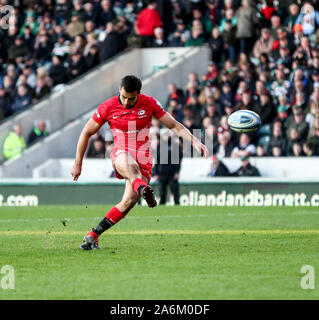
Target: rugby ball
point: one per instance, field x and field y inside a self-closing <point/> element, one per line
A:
<point x="244" y="121"/>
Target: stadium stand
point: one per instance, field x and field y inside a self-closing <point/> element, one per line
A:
<point x="264" y="57"/>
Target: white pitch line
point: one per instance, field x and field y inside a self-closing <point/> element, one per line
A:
<point x="159" y="232"/>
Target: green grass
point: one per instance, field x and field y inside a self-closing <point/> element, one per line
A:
<point x="163" y="253"/>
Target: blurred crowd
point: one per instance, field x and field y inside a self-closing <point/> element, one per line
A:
<point x="264" y="57"/>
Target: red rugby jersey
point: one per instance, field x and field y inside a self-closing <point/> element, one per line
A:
<point x="130" y="127"/>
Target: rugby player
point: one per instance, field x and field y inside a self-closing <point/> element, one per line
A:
<point x="129" y="115"/>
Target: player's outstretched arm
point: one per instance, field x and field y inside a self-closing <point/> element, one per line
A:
<point x="90" y="128"/>
<point x="168" y="121"/>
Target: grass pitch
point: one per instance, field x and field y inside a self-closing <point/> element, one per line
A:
<point x="163" y="253"/>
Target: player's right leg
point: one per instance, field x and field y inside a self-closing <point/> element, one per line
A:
<point x="129" y="169"/>
<point x="113" y="216"/>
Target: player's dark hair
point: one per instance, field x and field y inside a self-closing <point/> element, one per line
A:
<point x="131" y="83"/>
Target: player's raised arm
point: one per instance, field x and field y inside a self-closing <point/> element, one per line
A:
<point x="90" y="128"/>
<point x="168" y="121"/>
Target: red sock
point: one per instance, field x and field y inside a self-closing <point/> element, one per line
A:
<point x="114" y="215"/>
<point x="137" y="183"/>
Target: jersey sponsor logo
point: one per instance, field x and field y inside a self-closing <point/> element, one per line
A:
<point x="123" y="114"/>
<point x="141" y="112"/>
<point x="97" y="114"/>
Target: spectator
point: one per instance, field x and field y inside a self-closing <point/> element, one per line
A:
<point x="309" y="149"/>
<point x="313" y="112"/>
<point x="229" y="40"/>
<point x="299" y="123"/>
<point x="245" y="147"/>
<point x="246" y="102"/>
<point x="210" y="136"/>
<point x="180" y="36"/>
<point x="308" y="19"/>
<point x="18" y="49"/>
<point x="229" y="17"/>
<point x="91" y="39"/>
<point x="159" y="41"/>
<point x="76" y="26"/>
<point x="261" y="152"/>
<point x="211" y="112"/>
<point x="277" y="138"/>
<point x="167" y="167"/>
<point x="196" y="38"/>
<point x="175" y="109"/>
<point x="246" y="169"/>
<point x="276" y="151"/>
<point x="294" y="137"/>
<point x="226" y="98"/>
<point x="78" y="44"/>
<point x="280" y="85"/>
<point x="246" y="23"/>
<point x="91" y="14"/>
<point x="30" y="22"/>
<point x="43" y="49"/>
<point x="297" y="150"/>
<point x="225" y="144"/>
<point x="304" y="48"/>
<point x="21" y="100"/>
<point x="265" y="108"/>
<point x="76" y="66"/>
<point x="264" y="44"/>
<point x="267" y="10"/>
<point x="96" y="147"/>
<point x="14" y="143"/>
<point x="30" y="75"/>
<point x="314" y="140"/>
<point x="275" y="26"/>
<point x="92" y="59"/>
<point x="282" y="114"/>
<point x="62" y="46"/>
<point x="89" y="28"/>
<point x="9" y="85"/>
<point x="175" y="93"/>
<point x="61" y="11"/>
<point x="148" y="19"/>
<point x="78" y="6"/>
<point x="39" y="131"/>
<point x="57" y="71"/>
<point x="42" y="88"/>
<point x="107" y="14"/>
<point x="192" y="91"/>
<point x="12" y="73"/>
<point x="205" y="23"/>
<point x="28" y="38"/>
<point x="216" y="45"/>
<point x="218" y="168"/>
<point x="110" y="45"/>
<point x="22" y="80"/>
<point x="292" y="17"/>
<point x="5" y="103"/>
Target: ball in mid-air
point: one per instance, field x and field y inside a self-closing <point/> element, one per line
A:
<point x="244" y="121"/>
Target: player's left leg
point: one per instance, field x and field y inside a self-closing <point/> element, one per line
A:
<point x="113" y="216"/>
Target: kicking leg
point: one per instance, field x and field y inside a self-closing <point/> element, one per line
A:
<point x="128" y="168"/>
<point x="113" y="216"/>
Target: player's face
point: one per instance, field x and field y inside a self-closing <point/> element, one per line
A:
<point x="128" y="99"/>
